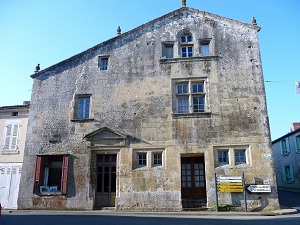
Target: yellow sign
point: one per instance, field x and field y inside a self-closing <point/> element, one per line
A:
<point x="230" y="187"/>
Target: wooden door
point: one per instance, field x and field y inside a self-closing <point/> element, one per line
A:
<point x="106" y="181"/>
<point x="193" y="178"/>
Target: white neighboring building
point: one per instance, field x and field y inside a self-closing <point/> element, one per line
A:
<point x="286" y="151"/>
<point x="13" y="126"/>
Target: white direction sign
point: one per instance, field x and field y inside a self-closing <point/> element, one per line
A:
<point x="259" y="188"/>
<point x="229" y="179"/>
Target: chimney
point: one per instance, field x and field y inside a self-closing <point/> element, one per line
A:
<point x="295" y="126"/>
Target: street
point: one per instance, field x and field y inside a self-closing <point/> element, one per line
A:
<point x="287" y="199"/>
<point x="138" y="219"/>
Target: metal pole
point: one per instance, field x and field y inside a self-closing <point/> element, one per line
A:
<point x="216" y="185"/>
<point x="244" y="188"/>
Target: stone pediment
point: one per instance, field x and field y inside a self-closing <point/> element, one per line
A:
<point x="105" y="137"/>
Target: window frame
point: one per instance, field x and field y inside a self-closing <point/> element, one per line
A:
<point x="284" y="150"/>
<point x="101" y="60"/>
<point x="186" y="45"/>
<point x="142" y="157"/>
<point x="226" y="162"/>
<point x="168" y="45"/>
<point x="189" y="94"/>
<point x="149" y="156"/>
<point x="239" y="156"/>
<point x="77" y="107"/>
<point x="155" y="164"/>
<point x="232" y="149"/>
<point x="39" y="178"/>
<point x="204" y="51"/>
<point x="288" y="177"/>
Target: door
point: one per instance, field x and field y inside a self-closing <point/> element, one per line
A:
<point x="193" y="178"/>
<point x="106" y="181"/>
<point x="10" y="175"/>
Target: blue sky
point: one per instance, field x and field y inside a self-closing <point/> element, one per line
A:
<point x="48" y="32"/>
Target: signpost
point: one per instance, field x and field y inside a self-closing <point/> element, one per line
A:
<point x="231" y="185"/>
<point x="259" y="188"/>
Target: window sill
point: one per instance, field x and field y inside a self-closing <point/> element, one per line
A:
<point x="10" y="152"/>
<point x="82" y="120"/>
<point x="188" y="59"/>
<point x="191" y="115"/>
<point x="50" y="194"/>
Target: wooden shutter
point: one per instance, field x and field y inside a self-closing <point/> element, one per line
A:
<point x="37" y="174"/>
<point x="288" y="145"/>
<point x="64" y="174"/>
<point x="14" y="137"/>
<point x="7" y="136"/>
<point x="292" y="173"/>
<point x="283" y="174"/>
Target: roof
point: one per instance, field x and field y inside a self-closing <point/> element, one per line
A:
<point x="285" y="136"/>
<point x="126" y="34"/>
<point x="26" y="106"/>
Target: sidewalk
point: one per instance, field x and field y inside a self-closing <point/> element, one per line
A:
<point x="285" y="211"/>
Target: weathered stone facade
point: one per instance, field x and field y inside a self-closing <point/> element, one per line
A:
<point x="177" y="91"/>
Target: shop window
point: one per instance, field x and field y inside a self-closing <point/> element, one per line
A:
<point x="51" y="173"/>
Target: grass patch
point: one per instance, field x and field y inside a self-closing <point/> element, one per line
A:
<point x="224" y="207"/>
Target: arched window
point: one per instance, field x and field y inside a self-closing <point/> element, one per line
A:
<point x="186" y="45"/>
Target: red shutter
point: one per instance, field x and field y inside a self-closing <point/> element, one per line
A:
<point x="64" y="174"/>
<point x="37" y="174"/>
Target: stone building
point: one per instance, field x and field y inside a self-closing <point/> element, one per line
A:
<point x="13" y="126"/>
<point x="286" y="151"/>
<point x="142" y="121"/>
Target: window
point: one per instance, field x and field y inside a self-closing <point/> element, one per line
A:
<point x="190" y="97"/>
<point x="148" y="159"/>
<point x="204" y="49"/>
<point x="204" y="46"/>
<point x="14" y="113"/>
<point x="51" y="173"/>
<point x="167" y="50"/>
<point x="232" y="156"/>
<point x="83" y="107"/>
<point x="157" y="159"/>
<point x="186" y="45"/>
<point x="284" y="147"/>
<point x="223" y="157"/>
<point x="186" y="51"/>
<point x="288" y="173"/>
<point x="297" y="143"/>
<point x="103" y="62"/>
<point x="142" y="159"/>
<point x="240" y="156"/>
<point x="11" y="132"/>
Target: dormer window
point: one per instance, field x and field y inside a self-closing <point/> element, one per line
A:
<point x="186" y="38"/>
<point x="186" y="45"/>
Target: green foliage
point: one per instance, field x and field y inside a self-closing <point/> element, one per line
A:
<point x="224" y="207"/>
